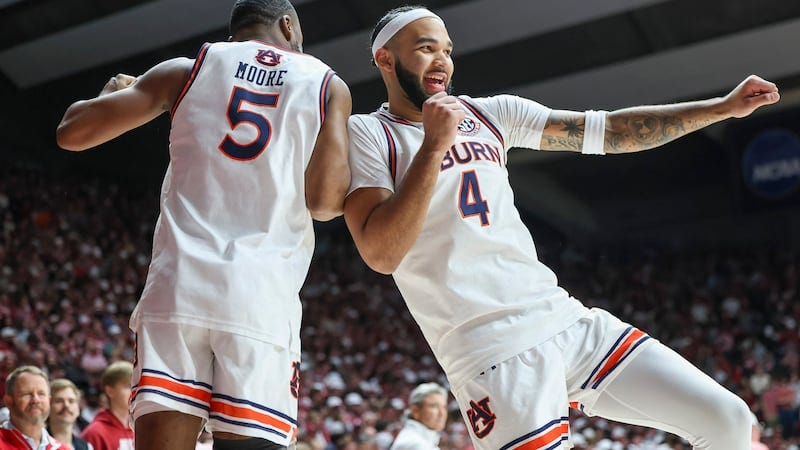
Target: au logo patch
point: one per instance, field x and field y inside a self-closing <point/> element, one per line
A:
<point x="268" y="57"/>
<point x="468" y="127"/>
<point x="294" y="383"/>
<point x="481" y="417"/>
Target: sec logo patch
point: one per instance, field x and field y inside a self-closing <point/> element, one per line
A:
<point x="468" y="127"/>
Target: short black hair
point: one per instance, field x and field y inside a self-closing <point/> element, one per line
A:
<point x="246" y="13"/>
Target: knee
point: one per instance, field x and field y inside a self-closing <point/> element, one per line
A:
<point x="733" y="415"/>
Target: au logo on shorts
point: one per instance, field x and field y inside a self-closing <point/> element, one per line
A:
<point x="294" y="383"/>
<point x="481" y="417"/>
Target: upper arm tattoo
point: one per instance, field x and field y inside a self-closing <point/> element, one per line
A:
<point x="570" y="136"/>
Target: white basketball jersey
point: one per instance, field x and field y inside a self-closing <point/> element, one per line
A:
<point x="234" y="240"/>
<point x="472" y="279"/>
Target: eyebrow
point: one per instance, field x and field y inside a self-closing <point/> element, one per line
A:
<point x="430" y="40"/>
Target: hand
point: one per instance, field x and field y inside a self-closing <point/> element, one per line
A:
<point x="751" y="94"/>
<point x="121" y="81"/>
<point x="441" y="114"/>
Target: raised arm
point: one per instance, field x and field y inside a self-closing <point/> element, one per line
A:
<point x="328" y="172"/>
<point x="384" y="225"/>
<point x="643" y="127"/>
<point x="125" y="103"/>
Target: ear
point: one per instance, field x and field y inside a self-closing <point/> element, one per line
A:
<point x="413" y="411"/>
<point x="287" y="27"/>
<point x="384" y="60"/>
<point x="7" y="399"/>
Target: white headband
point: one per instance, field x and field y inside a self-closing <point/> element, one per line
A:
<point x="397" y="24"/>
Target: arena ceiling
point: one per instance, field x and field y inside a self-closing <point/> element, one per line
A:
<point x="573" y="54"/>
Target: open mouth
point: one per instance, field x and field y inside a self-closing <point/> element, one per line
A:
<point x="435" y="82"/>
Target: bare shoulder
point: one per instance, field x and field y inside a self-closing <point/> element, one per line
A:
<point x="175" y="70"/>
<point x="339" y="88"/>
<point x="165" y="81"/>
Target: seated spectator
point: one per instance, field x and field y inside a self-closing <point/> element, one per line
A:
<point x="64" y="411"/>
<point x="28" y="399"/>
<point x="110" y="429"/>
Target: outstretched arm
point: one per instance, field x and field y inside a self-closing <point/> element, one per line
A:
<point x="643" y="127"/>
<point x="328" y="172"/>
<point x="125" y="103"/>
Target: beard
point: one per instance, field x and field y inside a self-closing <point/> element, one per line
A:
<point x="412" y="87"/>
<point x="31" y="415"/>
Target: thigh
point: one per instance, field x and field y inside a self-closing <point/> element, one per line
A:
<point x="519" y="403"/>
<point x="255" y="388"/>
<point x="172" y="370"/>
<point x="596" y="350"/>
<point x="660" y="389"/>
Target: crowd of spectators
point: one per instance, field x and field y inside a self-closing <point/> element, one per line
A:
<point x="74" y="254"/>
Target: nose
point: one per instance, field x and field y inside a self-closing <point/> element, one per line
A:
<point x="441" y="58"/>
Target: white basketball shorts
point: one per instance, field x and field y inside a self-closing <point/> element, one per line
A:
<point x="523" y="402"/>
<point x="237" y="384"/>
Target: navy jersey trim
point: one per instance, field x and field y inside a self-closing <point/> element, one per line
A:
<point x="201" y="56"/>
<point x="395" y="119"/>
<point x="323" y="95"/>
<point x="392" y="151"/>
<point x="485" y="120"/>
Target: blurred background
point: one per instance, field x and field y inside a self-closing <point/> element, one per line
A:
<point x="695" y="242"/>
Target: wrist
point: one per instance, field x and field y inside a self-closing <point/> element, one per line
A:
<point x="722" y="108"/>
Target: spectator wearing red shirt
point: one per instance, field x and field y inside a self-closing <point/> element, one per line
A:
<point x="110" y="429"/>
<point x="28" y="399"/>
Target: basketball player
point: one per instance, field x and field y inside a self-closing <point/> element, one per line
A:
<point x="258" y="146"/>
<point x="430" y="202"/>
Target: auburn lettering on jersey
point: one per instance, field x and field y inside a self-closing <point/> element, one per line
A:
<point x="468" y="151"/>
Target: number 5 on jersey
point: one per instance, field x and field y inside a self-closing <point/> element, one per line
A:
<point x="470" y="202"/>
<point x="238" y="116"/>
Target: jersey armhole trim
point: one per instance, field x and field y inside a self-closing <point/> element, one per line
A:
<point x="201" y="56"/>
<point x="392" y="151"/>
<point x="323" y="95"/>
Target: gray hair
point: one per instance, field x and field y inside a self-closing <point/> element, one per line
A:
<point x="11" y="379"/>
<point x="422" y="391"/>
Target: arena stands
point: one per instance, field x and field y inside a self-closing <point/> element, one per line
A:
<point x="74" y="253"/>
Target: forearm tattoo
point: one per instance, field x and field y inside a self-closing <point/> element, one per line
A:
<point x="645" y="130"/>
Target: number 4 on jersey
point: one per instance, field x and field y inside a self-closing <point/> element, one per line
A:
<point x="470" y="202"/>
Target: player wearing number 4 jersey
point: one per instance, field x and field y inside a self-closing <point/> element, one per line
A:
<point x="430" y="202"/>
<point x="258" y="146"/>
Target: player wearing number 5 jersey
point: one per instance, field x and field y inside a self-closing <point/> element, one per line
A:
<point x="430" y="202"/>
<point x="258" y="146"/>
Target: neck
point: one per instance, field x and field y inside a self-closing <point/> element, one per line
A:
<point x="400" y="105"/>
<point x="33" y="431"/>
<point x="260" y="33"/>
<point x="405" y="110"/>
<point x="121" y="413"/>
<point x="62" y="431"/>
